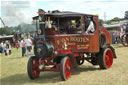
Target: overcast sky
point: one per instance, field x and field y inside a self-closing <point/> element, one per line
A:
<point x="14" y="12"/>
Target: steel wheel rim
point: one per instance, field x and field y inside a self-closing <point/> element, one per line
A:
<point x="35" y="68"/>
<point x="125" y="40"/>
<point x="108" y="58"/>
<point x="67" y="68"/>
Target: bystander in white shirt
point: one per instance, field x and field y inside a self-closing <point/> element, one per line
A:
<point x="21" y="43"/>
<point x="28" y="42"/>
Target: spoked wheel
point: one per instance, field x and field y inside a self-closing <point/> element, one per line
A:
<point x="105" y="58"/>
<point x="124" y="40"/>
<point x="65" y="68"/>
<point x="33" y="68"/>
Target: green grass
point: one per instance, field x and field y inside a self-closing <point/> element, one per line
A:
<point x="13" y="67"/>
<point x="13" y="71"/>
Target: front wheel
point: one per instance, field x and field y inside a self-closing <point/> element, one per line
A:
<point x="65" y="68"/>
<point x="105" y="58"/>
<point x="33" y="68"/>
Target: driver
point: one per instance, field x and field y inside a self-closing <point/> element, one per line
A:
<point x="41" y="13"/>
<point x="89" y="26"/>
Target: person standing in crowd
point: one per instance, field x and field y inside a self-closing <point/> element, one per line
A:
<point x="23" y="45"/>
<point x="20" y="43"/>
<point x="17" y="44"/>
<point x="6" y="42"/>
<point x="2" y="47"/>
<point x="6" y="46"/>
<point x="7" y="49"/>
<point x="116" y="37"/>
<point x="113" y="38"/>
<point x="28" y="44"/>
<point x="13" y="41"/>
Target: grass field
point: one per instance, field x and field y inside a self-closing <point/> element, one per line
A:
<point x="13" y="71"/>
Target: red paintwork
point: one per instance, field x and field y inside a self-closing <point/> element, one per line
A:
<point x="48" y="62"/>
<point x="64" y="51"/>
<point x="76" y="43"/>
<point x="76" y="54"/>
<point x="96" y="36"/>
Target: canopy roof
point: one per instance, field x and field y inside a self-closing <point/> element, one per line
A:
<point x="66" y="14"/>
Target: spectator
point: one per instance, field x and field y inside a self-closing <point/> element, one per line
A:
<point x="20" y="44"/>
<point x="9" y="47"/>
<point x="117" y="37"/>
<point x="2" y="47"/>
<point x="13" y="42"/>
<point x="7" y="50"/>
<point x="17" y="44"/>
<point x="28" y="44"/>
<point x="23" y="45"/>
<point x="113" y="38"/>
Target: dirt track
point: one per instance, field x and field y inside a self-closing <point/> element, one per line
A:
<point x="13" y="72"/>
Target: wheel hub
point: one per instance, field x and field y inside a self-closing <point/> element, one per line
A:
<point x="68" y="67"/>
<point x="108" y="58"/>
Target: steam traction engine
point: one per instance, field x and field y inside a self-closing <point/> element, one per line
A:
<point x="61" y="43"/>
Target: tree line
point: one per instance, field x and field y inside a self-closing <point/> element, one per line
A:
<point x="115" y="19"/>
<point x="21" y="28"/>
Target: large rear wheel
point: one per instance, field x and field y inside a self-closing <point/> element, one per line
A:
<point x="124" y="40"/>
<point x="33" y="68"/>
<point x="105" y="58"/>
<point x="65" y="68"/>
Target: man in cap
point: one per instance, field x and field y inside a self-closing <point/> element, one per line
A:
<point x="42" y="19"/>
